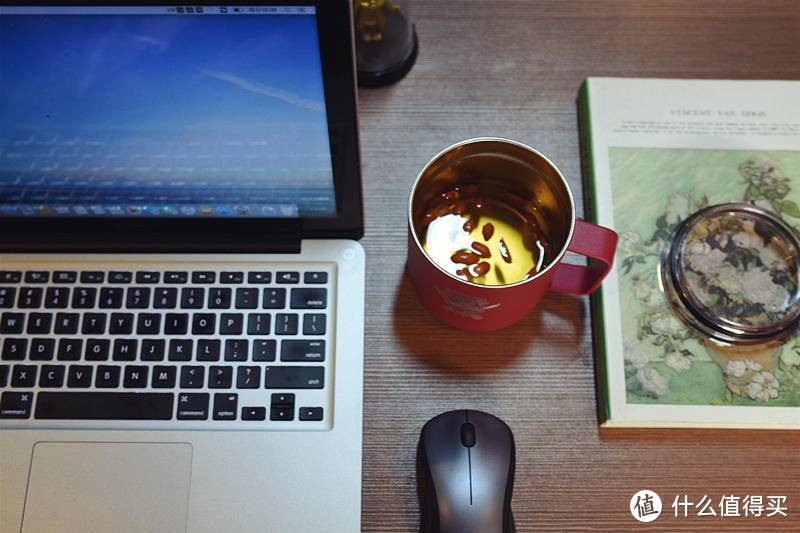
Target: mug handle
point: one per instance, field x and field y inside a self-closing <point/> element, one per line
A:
<point x="598" y="244"/>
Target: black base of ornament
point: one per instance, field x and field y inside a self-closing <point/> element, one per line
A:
<point x="392" y="74"/>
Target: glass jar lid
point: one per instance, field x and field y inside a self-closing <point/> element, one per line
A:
<point x="732" y="273"/>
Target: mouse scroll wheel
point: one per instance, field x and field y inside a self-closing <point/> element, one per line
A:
<point x="468" y="435"/>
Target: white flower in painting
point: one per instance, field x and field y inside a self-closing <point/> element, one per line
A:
<point x="677" y="362"/>
<point x="766" y="205"/>
<point x="722" y="239"/>
<point x="704" y="259"/>
<point x="748" y="239"/>
<point x="646" y="290"/>
<point x="677" y="208"/>
<point x="637" y="358"/>
<point x="728" y="279"/>
<point x="752" y="365"/>
<point x="762" y="387"/>
<point x="758" y="287"/>
<point x="627" y="243"/>
<point x="651" y="380"/>
<point x="736" y="368"/>
<point x="770" y="165"/>
<point x="666" y="324"/>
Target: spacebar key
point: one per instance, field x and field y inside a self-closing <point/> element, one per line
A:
<point x="104" y="406"/>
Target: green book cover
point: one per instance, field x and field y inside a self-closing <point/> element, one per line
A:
<point x="654" y="152"/>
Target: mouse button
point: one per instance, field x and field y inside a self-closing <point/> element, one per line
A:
<point x="467" y="435"/>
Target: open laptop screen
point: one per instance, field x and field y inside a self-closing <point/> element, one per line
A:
<point x="212" y="111"/>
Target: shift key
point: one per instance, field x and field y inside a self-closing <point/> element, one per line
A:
<point x="295" y="377"/>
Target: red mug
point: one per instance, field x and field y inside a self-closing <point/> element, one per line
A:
<point x="529" y="175"/>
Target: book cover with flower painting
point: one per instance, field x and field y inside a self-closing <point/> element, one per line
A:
<point x="656" y="151"/>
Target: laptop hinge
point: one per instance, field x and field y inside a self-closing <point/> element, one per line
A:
<point x="236" y="243"/>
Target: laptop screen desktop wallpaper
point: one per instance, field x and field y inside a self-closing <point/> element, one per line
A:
<point x="162" y="113"/>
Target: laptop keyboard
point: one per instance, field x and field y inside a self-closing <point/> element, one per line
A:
<point x="210" y="346"/>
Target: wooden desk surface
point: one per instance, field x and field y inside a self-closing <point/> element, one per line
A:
<point x="512" y="69"/>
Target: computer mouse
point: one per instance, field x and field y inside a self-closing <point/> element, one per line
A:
<point x="465" y="474"/>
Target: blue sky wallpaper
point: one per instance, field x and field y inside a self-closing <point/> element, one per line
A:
<point x="233" y="98"/>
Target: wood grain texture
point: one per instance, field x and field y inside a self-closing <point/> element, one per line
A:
<point x="513" y="69"/>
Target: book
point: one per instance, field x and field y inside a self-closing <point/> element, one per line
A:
<point x="654" y="151"/>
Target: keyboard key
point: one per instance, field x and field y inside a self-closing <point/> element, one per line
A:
<point x="69" y="349"/>
<point x="7" y="297"/>
<point x="180" y="350"/>
<point x="264" y="350"/>
<point x="192" y="297"/>
<point x="56" y="298"/>
<point x="30" y="297"/>
<point x="193" y="406"/>
<point x="66" y="323"/>
<point x="135" y="377"/>
<point x="104" y="406"/>
<point x="315" y="277"/>
<point x="231" y="277"/>
<point x="37" y="276"/>
<point x="93" y="323"/>
<point x="208" y="350"/>
<point x="219" y="298"/>
<point x="294" y="377"/>
<point x="23" y="376"/>
<point x="274" y="299"/>
<point x="246" y="298"/>
<point x="64" y="276"/>
<point x="42" y="349"/>
<point x="203" y="323"/>
<point x="204" y="277"/>
<point x="231" y="324"/>
<point x="107" y="377"/>
<point x="192" y="377"/>
<point x="164" y="377"/>
<point x="84" y="297"/>
<point x="152" y="350"/>
<point x="111" y="297"/>
<point x="97" y="349"/>
<point x="79" y="377"/>
<point x="5" y="370"/>
<point x="258" y="324"/>
<point x="287" y="277"/>
<point x="10" y="276"/>
<point x="148" y="277"/>
<point x="92" y="277"/>
<point x="12" y="322"/>
<point x="310" y="413"/>
<point x="303" y="351"/>
<point x="125" y="349"/>
<point x="286" y="324"/>
<point x="258" y="278"/>
<point x="148" y="324"/>
<point x="309" y="298"/>
<point x="225" y="406"/>
<point x="14" y="349"/>
<point x="52" y="376"/>
<point x="248" y="377"/>
<point x="121" y="324"/>
<point x="120" y="277"/>
<point x="176" y="323"/>
<point x="236" y="350"/>
<point x="165" y="298"/>
<point x="16" y="404"/>
<point x="284" y="414"/>
<point x="138" y="298"/>
<point x="176" y="277"/>
<point x="39" y="323"/>
<point x="220" y="377"/>
<point x="254" y="413"/>
<point x="314" y="324"/>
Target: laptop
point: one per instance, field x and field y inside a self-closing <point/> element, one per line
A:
<point x="181" y="290"/>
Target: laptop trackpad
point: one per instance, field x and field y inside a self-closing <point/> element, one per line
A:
<point x="101" y="487"/>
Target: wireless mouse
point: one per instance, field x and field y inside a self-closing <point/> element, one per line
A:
<point x="465" y="474"/>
